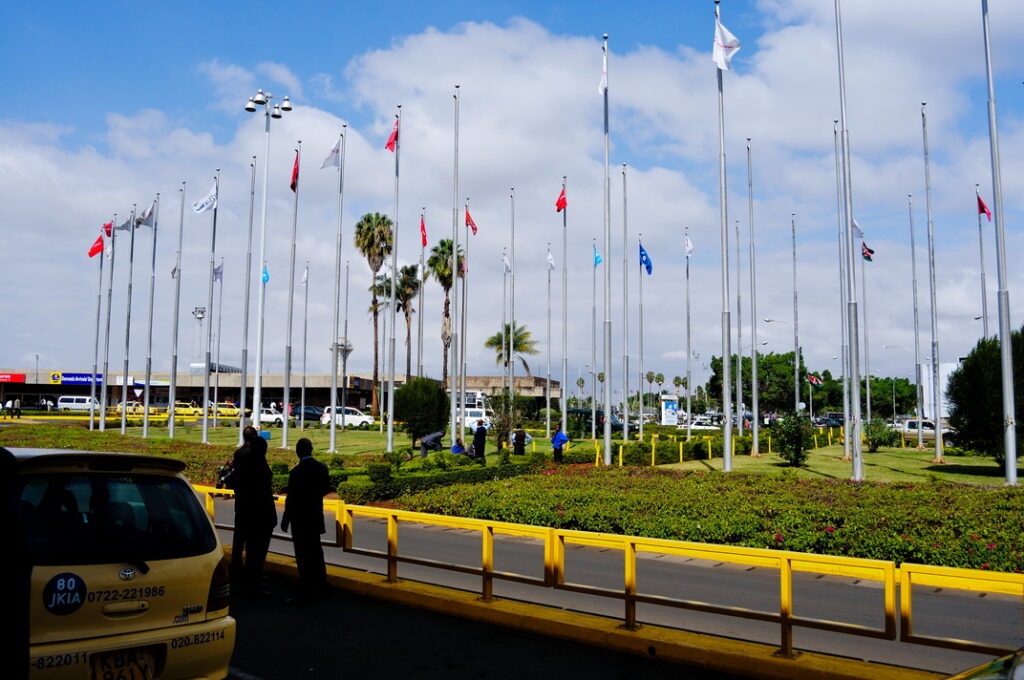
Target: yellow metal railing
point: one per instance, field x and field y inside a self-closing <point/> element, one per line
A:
<point x="896" y="582"/>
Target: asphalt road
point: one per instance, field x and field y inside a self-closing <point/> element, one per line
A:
<point x="991" y="618"/>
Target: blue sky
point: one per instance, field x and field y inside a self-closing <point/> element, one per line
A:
<point x="115" y="102"/>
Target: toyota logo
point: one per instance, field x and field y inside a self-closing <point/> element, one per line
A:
<point x="127" y="574"/>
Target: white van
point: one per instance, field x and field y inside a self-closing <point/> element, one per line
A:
<point x="70" y="403"/>
<point x="473" y="415"/>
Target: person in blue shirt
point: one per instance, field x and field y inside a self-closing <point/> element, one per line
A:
<point x="558" y="440"/>
<point x="459" y="447"/>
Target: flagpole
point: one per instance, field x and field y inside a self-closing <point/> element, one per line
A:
<point x="463" y="318"/>
<point x="867" y="353"/>
<point x="796" y="327"/>
<point x="305" y="345"/>
<point x="723" y="211"/>
<point x="625" y="311"/>
<point x="504" y="317"/>
<point x="453" y="316"/>
<point x="689" y="353"/>
<point x="391" y="313"/>
<point x="244" y="382"/>
<point x="607" y="281"/>
<point x="852" y="315"/>
<point x="936" y="384"/>
<point x="593" y="346"/>
<point x="149" y="331"/>
<point x="755" y="450"/>
<point x="220" y="317"/>
<point x="843" y="294"/>
<point x="209" y="306"/>
<point x="547" y="346"/>
<point x="128" y="325"/>
<point x="172" y="390"/>
<point x="344" y="357"/>
<point x="419" y="331"/>
<point x="332" y="446"/>
<point x="739" y="335"/>
<point x="291" y="305"/>
<point x="1002" y="294"/>
<point x="917" y="331"/>
<point x="106" y="333"/>
<point x="96" y="342"/>
<point x="565" y="315"/>
<point x="512" y="312"/>
<point x="640" y="309"/>
<point x="981" y="258"/>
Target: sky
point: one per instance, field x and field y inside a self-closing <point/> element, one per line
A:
<point x="110" y="105"/>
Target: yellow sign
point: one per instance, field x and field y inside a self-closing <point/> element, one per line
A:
<point x="56" y="377"/>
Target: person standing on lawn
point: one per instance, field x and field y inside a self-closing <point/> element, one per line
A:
<point x="558" y="440"/>
<point x="480" y="442"/>
<point x="519" y="441"/>
<point x="308" y="483"/>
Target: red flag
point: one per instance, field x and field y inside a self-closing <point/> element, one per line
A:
<point x="107" y="229"/>
<point x="393" y="138"/>
<point x="423" y="232"/>
<point x="561" y="203"/>
<point x="97" y="246"/>
<point x="469" y="221"/>
<point x="295" y="173"/>
<point x="814" y="380"/>
<point x="982" y="208"/>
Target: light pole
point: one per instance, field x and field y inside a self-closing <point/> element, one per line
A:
<point x="263" y="99"/>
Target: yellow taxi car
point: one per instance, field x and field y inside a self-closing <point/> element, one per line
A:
<point x="183" y="408"/>
<point x="226" y="409"/>
<point x="129" y="580"/>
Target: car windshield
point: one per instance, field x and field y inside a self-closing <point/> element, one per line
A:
<point x="98" y="518"/>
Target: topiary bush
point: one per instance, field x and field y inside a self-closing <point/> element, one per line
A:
<point x="378" y="472"/>
<point x="423" y="406"/>
<point x="794" y="438"/>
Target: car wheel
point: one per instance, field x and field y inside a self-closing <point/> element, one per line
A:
<point x="364" y="425"/>
<point x="279" y="422"/>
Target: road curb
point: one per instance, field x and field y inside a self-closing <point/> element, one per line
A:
<point x="735" y="657"/>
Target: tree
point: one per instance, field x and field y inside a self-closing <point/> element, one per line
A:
<point x="580" y="382"/>
<point x="649" y="376"/>
<point x="600" y="377"/>
<point x="660" y="379"/>
<point x="423" y="406"/>
<point x="439" y="265"/>
<point x="975" y="397"/>
<point x="795" y="437"/>
<point x="406" y="290"/>
<point x="374" y="234"/>
<point x="522" y="343"/>
<point x="678" y="382"/>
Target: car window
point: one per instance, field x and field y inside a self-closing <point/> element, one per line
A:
<point x="100" y="518"/>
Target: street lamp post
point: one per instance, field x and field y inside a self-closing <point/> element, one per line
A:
<point x="263" y="99"/>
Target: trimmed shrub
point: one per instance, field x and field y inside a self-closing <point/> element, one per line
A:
<point x="361" y="491"/>
<point x="794" y="437"/>
<point x="378" y="473"/>
<point x="877" y="434"/>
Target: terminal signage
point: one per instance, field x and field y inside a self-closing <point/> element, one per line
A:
<point x="65" y="378"/>
<point x="12" y="377"/>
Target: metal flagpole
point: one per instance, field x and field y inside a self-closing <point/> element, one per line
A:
<point x="512" y="312"/>
<point x="419" y="330"/>
<point x="565" y="316"/>
<point x="593" y="346"/>
<point x="640" y="327"/>
<point x="96" y="342"/>
<point x="1002" y="294"/>
<point x="173" y="390"/>
<point x="917" y="331"/>
<point x="291" y="302"/>
<point x="547" y="343"/>
<point x="607" y="278"/>
<point x="504" y="318"/>
<point x="219" y="276"/>
<point x="305" y="345"/>
<point x="796" y="327"/>
<point x="128" y="324"/>
<point x="726" y="320"/>
<point x="106" y="333"/>
<point x="867" y="354"/>
<point x="391" y="312"/>
<point x="463" y="319"/>
<point x="936" y="384"/>
<point x="149" y="331"/>
<point x="244" y="382"/>
<point x="261" y="303"/>
<point x="333" y="426"/>
<point x="852" y="320"/>
<point x="689" y="352"/>
<point x="843" y="295"/>
<point x="625" y="311"/>
<point x="981" y="258"/>
<point x="209" y="326"/>
<point x="739" y="335"/>
<point x="755" y="424"/>
<point x="453" y="348"/>
<point x="344" y="356"/>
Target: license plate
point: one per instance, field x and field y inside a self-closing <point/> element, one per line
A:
<point x="123" y="664"/>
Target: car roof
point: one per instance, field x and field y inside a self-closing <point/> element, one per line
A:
<point x="101" y="461"/>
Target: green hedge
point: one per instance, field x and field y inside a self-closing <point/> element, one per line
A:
<point x="279" y="482"/>
<point x="361" y="490"/>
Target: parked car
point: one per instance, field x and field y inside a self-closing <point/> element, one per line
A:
<point x="352" y="417"/>
<point x="127" y="570"/>
<point x="309" y="414"/>
<point x="909" y="430"/>
<point x="71" y="403"/>
<point x="182" y="408"/>
<point x="272" y="417"/>
<point x="226" y="409"/>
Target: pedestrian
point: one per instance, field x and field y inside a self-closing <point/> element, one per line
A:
<point x="255" y="514"/>
<point x="308" y="483"/>
<point x="519" y="441"/>
<point x="9" y="408"/>
<point x="430" y="442"/>
<point x="558" y="440"/>
<point x="17" y="407"/>
<point x="459" y="447"/>
<point x="480" y="442"/>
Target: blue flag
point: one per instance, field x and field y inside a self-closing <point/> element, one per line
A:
<point x="266" y="275"/>
<point x="597" y="257"/>
<point x="645" y="260"/>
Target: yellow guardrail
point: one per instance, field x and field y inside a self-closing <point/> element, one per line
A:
<point x="897" y="582"/>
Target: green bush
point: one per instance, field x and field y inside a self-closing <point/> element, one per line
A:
<point x="279" y="468"/>
<point x="379" y="473"/>
<point x="398" y="457"/>
<point x="334" y="461"/>
<point x="423" y="406"/>
<point x="878" y="434"/>
<point x="360" y="491"/>
<point x="794" y="437"/>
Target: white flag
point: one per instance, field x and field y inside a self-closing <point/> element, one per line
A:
<point x="218" y="272"/>
<point x="689" y="245"/>
<point x="551" y="261"/>
<point x="125" y="226"/>
<point x="856" y="230"/>
<point x="208" y="203"/>
<point x="333" y="159"/>
<point x="602" y="87"/>
<point x="504" y="260"/>
<point x="147" y="217"/>
<point x="726" y="45"/>
<point x="174" y="272"/>
<point x="305" y="275"/>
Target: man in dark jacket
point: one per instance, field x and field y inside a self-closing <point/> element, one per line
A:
<point x="308" y="483"/>
<point x="430" y="442"/>
<point x="255" y="514"/>
<point x="480" y="442"/>
<point x="519" y="441"/>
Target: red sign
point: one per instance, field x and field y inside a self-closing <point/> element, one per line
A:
<point x="12" y="377"/>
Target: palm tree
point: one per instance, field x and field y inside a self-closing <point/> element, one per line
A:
<point x="678" y="382"/>
<point x="522" y="343"/>
<point x="580" y="382"/>
<point x="374" y="234"/>
<point x="660" y="379"/>
<point x="439" y="265"/>
<point x="406" y="290"/>
<point x="649" y="376"/>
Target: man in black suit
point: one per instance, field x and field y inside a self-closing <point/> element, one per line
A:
<point x="255" y="513"/>
<point x="480" y="442"/>
<point x="308" y="483"/>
